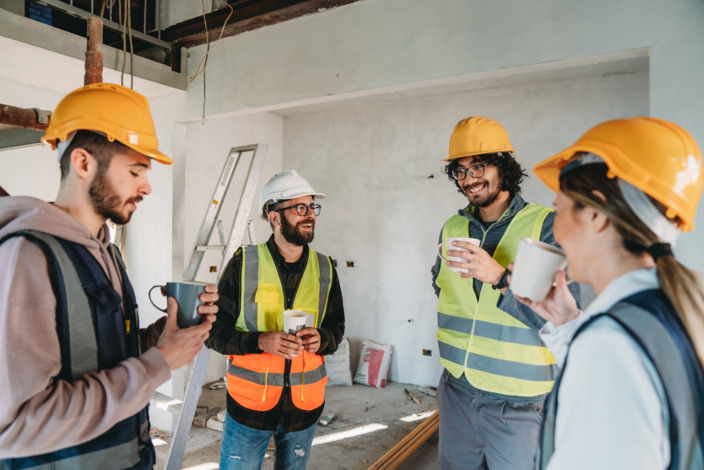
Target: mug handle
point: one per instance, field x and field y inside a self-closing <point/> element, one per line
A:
<point x="152" y="301"/>
<point x="440" y="250"/>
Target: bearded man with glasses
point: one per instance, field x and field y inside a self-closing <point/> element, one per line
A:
<point x="497" y="370"/>
<point x="276" y="379"/>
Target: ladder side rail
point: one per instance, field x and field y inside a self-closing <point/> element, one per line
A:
<point x="242" y="215"/>
<point x="211" y="214"/>
<point x="188" y="411"/>
<point x="195" y="383"/>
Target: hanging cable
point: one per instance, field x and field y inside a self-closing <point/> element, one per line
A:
<point x="201" y="66"/>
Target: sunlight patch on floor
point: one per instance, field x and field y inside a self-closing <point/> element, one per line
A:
<point x="416" y="417"/>
<point x="337" y="436"/>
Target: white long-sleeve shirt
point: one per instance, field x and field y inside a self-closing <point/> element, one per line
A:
<point x="612" y="412"/>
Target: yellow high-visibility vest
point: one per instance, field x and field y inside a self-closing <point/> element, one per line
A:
<point x="496" y="352"/>
<point x="256" y="381"/>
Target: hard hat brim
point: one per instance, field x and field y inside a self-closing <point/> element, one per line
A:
<point x="483" y="152"/>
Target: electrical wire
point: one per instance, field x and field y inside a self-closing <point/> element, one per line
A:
<point x="208" y="48"/>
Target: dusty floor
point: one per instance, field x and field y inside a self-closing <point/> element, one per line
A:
<point x="368" y="422"/>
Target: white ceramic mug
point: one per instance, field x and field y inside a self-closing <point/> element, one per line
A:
<point x="449" y="246"/>
<point x="534" y="268"/>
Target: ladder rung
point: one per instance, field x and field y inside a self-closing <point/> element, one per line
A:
<point x="166" y="403"/>
<point x="210" y="247"/>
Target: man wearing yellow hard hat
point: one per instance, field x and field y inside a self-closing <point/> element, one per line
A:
<point x="497" y="371"/>
<point x="631" y="388"/>
<point x="77" y="371"/>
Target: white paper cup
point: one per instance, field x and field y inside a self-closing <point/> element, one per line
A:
<point x="448" y="246"/>
<point x="294" y="321"/>
<point x="534" y="268"/>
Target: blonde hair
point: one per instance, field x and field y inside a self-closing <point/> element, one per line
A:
<point x="681" y="285"/>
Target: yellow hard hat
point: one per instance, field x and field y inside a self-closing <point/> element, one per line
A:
<point x="477" y="135"/>
<point x="118" y="112"/>
<point x="658" y="157"/>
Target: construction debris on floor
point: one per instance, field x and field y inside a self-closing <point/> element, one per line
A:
<point x="370" y="426"/>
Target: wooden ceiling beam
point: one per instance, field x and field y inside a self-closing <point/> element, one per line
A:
<point x="248" y="15"/>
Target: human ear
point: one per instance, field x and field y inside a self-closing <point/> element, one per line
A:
<point x="274" y="218"/>
<point x="597" y="219"/>
<point x="82" y="162"/>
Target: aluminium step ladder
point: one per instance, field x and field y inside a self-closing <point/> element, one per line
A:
<point x="226" y="248"/>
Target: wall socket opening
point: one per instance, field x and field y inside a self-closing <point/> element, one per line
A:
<point x="427" y="352"/>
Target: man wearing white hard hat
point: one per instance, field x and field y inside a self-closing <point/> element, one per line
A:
<point x="276" y="380"/>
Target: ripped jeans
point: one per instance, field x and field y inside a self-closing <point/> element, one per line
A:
<point x="244" y="448"/>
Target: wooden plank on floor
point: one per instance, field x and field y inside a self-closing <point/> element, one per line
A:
<point x="409" y="444"/>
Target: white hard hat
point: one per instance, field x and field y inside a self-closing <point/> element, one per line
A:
<point x="285" y="185"/>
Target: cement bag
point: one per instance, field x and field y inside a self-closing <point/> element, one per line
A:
<point x="337" y="365"/>
<point x="373" y="364"/>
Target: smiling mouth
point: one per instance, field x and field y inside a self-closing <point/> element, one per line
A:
<point x="474" y="188"/>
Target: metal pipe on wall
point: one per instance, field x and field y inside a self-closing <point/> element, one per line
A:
<point x="94" y="52"/>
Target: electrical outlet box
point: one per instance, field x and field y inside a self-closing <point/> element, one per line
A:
<point x="427" y="352"/>
<point x="350" y="264"/>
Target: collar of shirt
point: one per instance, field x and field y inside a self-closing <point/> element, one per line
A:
<point x="281" y="261"/>
<point x="623" y="287"/>
<point x="517" y="203"/>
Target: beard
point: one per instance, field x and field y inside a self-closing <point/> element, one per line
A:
<point x="293" y="233"/>
<point x="492" y="193"/>
<point x="106" y="201"/>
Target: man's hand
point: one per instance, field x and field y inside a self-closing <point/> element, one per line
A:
<point x="479" y="265"/>
<point x="559" y="306"/>
<point x="280" y="344"/>
<point x="180" y="345"/>
<point x="209" y="298"/>
<point x="311" y="339"/>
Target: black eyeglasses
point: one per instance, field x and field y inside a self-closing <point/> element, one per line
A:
<point x="302" y="209"/>
<point x="475" y="171"/>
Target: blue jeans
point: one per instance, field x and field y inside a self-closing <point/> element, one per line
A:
<point x="244" y="448"/>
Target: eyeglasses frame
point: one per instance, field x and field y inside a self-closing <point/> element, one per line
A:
<point x="469" y="170"/>
<point x="308" y="207"/>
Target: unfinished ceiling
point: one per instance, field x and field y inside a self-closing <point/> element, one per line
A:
<point x="37" y="36"/>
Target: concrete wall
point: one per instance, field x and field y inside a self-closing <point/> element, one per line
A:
<point x="387" y="199"/>
<point x="375" y="44"/>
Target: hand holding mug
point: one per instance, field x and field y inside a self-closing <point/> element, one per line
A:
<point x="559" y="306"/>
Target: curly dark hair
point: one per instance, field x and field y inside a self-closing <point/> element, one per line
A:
<point x="510" y="171"/>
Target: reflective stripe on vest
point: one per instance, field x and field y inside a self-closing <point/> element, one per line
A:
<point x="495" y="352"/>
<point x="256" y="381"/>
<point x="123" y="445"/>
<point x="655" y="328"/>
<point x="84" y="349"/>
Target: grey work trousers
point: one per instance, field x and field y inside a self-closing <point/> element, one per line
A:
<point x="482" y="431"/>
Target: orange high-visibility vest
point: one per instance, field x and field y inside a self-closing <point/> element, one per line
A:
<point x="256" y="381"/>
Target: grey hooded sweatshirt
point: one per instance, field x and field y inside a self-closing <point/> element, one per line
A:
<point x="39" y="414"/>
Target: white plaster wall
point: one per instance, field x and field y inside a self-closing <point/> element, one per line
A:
<point x="385" y="43"/>
<point x="379" y="165"/>
<point x="200" y="156"/>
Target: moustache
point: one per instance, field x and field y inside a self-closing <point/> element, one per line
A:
<point x="307" y="221"/>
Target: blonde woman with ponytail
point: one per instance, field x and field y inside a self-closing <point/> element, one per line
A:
<point x="631" y="390"/>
